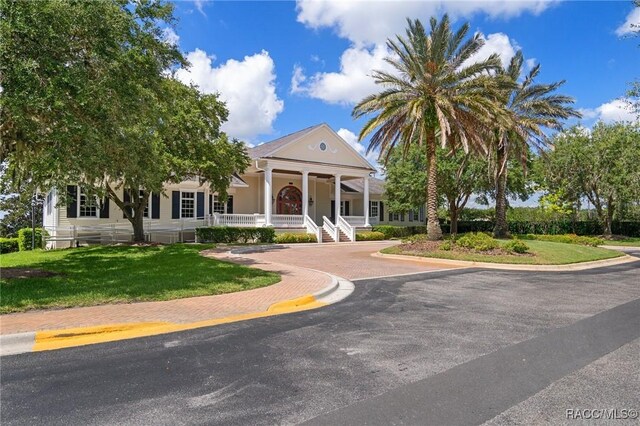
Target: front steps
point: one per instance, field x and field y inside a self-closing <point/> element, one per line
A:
<point x="328" y="238"/>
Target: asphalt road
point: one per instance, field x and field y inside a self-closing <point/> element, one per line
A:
<point x="450" y="347"/>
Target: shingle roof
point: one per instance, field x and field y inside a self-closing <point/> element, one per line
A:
<point x="376" y="186"/>
<point x="266" y="148"/>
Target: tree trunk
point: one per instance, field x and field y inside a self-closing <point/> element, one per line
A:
<point x="433" y="225"/>
<point x="501" y="229"/>
<point x="609" y="220"/>
<point x="453" y="217"/>
<point x="138" y="228"/>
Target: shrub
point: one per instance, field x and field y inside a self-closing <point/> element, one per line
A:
<point x="516" y="246"/>
<point x="369" y="236"/>
<point x="477" y="241"/>
<point x="8" y="245"/>
<point x="447" y="245"/>
<point x="290" y="238"/>
<point x="417" y="238"/>
<point x="24" y="238"/>
<point x="230" y="235"/>
<point x="391" y="231"/>
<point x="566" y="238"/>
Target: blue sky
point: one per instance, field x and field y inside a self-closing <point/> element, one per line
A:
<point x="282" y="66"/>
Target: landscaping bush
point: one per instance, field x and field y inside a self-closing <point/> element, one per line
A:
<point x="477" y="241"/>
<point x="8" y="245"/>
<point x="567" y="239"/>
<point x="369" y="236"/>
<point x="516" y="246"/>
<point x="391" y="231"/>
<point x="24" y="238"/>
<point x="290" y="238"/>
<point x="417" y="238"/>
<point x="230" y="235"/>
<point x="447" y="245"/>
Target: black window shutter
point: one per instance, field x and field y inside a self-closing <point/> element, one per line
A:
<point x="210" y="203"/>
<point x="104" y="211"/>
<point x="72" y="203"/>
<point x="126" y="198"/>
<point x="200" y="205"/>
<point x="230" y="204"/>
<point x="346" y="208"/>
<point x="401" y="217"/>
<point x="155" y="205"/>
<point x="175" y="204"/>
<point x="381" y="212"/>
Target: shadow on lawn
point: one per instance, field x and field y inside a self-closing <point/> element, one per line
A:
<point x="108" y="274"/>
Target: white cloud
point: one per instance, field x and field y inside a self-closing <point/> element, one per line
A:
<point x="170" y="36"/>
<point x="495" y="43"/>
<point x="360" y="21"/>
<point x="352" y="140"/>
<point x="349" y="85"/>
<point x="199" y="4"/>
<point x="247" y="87"/>
<point x="615" y="110"/>
<point x="632" y="23"/>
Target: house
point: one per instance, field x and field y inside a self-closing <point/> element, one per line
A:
<point x="308" y="181"/>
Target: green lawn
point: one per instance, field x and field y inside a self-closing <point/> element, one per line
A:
<point x="629" y="242"/>
<point x="546" y="253"/>
<point x="116" y="274"/>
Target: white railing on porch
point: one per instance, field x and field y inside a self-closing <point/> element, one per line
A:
<point x="287" y="221"/>
<point x="331" y="229"/>
<point x="344" y="226"/>
<point x="249" y="220"/>
<point x="357" y="221"/>
<point x="312" y="228"/>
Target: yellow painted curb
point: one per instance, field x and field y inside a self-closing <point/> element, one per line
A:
<point x="66" y="338"/>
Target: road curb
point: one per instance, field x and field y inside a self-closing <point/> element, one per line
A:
<point x="13" y="344"/>
<point x="514" y="267"/>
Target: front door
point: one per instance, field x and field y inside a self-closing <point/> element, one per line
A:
<point x="289" y="201"/>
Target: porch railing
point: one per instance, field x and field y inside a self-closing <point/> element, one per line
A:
<point x="312" y="228"/>
<point x="357" y="221"/>
<point x="249" y="220"/>
<point x="287" y="221"/>
<point x="350" y="231"/>
<point x="331" y="229"/>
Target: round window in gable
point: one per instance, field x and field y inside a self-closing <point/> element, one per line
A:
<point x="323" y="146"/>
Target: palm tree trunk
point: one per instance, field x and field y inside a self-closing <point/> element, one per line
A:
<point x="433" y="224"/>
<point x="501" y="229"/>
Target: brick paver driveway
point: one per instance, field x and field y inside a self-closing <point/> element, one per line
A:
<point x="347" y="260"/>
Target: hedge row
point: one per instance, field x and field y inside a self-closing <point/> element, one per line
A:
<point x="8" y="245"/>
<point x="370" y="236"/>
<point x="391" y="231"/>
<point x="291" y="238"/>
<point x="24" y="238"/>
<point x="230" y="235"/>
<point x="591" y="227"/>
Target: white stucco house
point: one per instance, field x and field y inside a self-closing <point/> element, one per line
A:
<point x="308" y="181"/>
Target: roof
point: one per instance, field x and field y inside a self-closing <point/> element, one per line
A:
<point x="376" y="186"/>
<point x="238" y="182"/>
<point x="263" y="150"/>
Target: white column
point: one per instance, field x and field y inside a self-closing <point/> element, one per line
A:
<point x="305" y="193"/>
<point x="366" y="201"/>
<point x="337" y="197"/>
<point x="267" y="196"/>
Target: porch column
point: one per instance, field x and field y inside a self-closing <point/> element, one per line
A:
<point x="305" y="193"/>
<point x="337" y="197"/>
<point x="267" y="196"/>
<point x="366" y="201"/>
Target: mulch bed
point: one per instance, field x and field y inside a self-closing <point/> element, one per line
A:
<point x="431" y="246"/>
<point x="26" y="273"/>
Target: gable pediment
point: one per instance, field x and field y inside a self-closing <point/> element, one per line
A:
<point x="321" y="145"/>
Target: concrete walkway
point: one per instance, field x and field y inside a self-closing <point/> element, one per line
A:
<point x="305" y="269"/>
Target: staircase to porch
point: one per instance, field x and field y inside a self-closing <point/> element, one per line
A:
<point x="327" y="238"/>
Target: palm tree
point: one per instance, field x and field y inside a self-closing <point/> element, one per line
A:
<point x="434" y="93"/>
<point x="532" y="108"/>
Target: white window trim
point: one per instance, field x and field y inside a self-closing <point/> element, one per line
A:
<point x="224" y="205"/>
<point x="78" y="216"/>
<point x="373" y="203"/>
<point x="195" y="204"/>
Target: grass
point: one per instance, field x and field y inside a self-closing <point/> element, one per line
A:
<point x="118" y="274"/>
<point x="545" y="253"/>
<point x="629" y="242"/>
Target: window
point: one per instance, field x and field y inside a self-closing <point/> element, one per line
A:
<point x="87" y="206"/>
<point x="395" y="217"/>
<point x="188" y="204"/>
<point x="145" y="214"/>
<point x="401" y="217"/>
<point x="410" y="214"/>
<point x="415" y="215"/>
<point x="49" y="202"/>
<point x="218" y="207"/>
<point x="373" y="208"/>
<point x="421" y="214"/>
